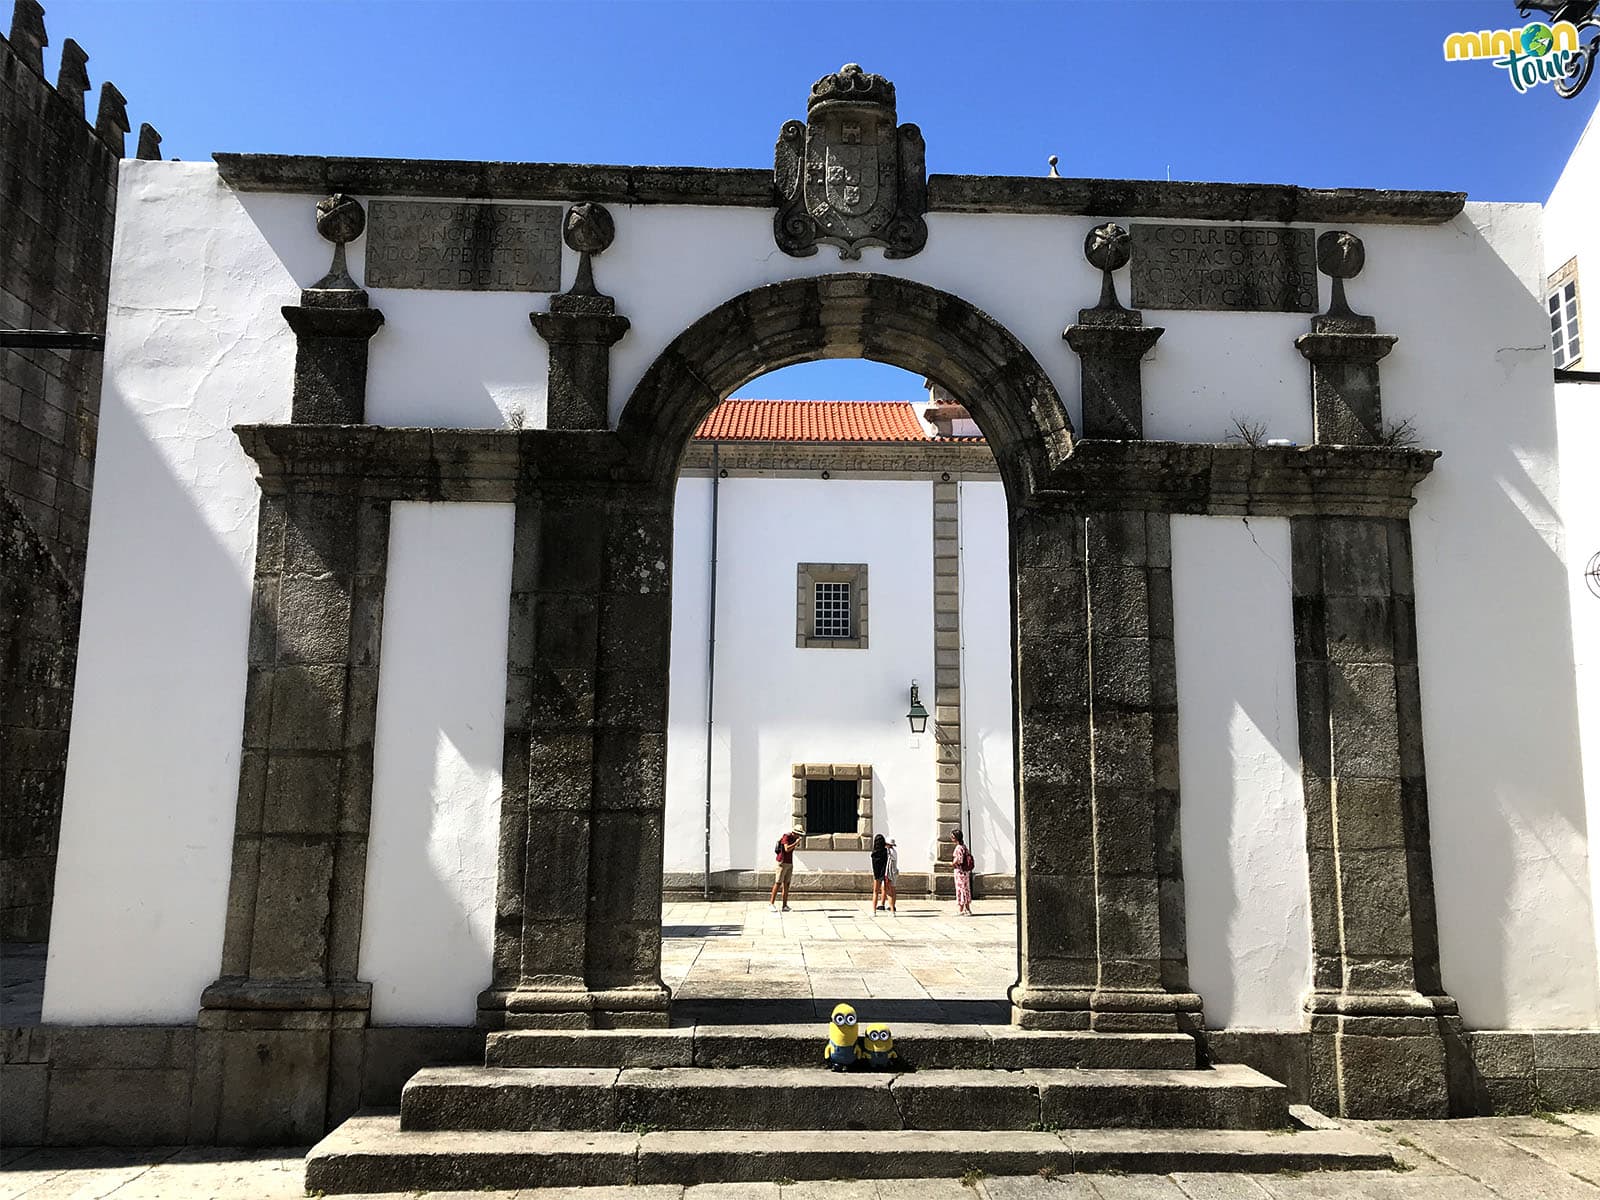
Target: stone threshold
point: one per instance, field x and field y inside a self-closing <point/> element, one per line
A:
<point x="752" y="187"/>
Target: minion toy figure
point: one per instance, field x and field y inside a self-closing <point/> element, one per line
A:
<point x="880" y="1047"/>
<point x="843" y="1050"/>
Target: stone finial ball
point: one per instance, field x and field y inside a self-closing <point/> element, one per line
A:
<point x="1341" y="254"/>
<point x="340" y="218"/>
<point x="589" y="228"/>
<point x="1108" y="247"/>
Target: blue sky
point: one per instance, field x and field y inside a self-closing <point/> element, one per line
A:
<point x="1340" y="93"/>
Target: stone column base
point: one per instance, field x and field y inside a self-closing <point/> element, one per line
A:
<point x="575" y="1008"/>
<point x="1106" y="1011"/>
<point x="275" y="1077"/>
<point x="1402" y="1064"/>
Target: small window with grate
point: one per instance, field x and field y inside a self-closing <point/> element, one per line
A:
<point x="831" y="606"/>
<point x="831" y="609"/>
<point x="1565" y="342"/>
<point x="831" y="806"/>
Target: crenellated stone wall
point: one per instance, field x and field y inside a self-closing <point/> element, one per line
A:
<point x="58" y="196"/>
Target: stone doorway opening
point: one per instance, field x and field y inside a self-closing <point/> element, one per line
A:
<point x="839" y="537"/>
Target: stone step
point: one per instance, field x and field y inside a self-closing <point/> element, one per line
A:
<point x="370" y="1153"/>
<point x="924" y="1046"/>
<point x="686" y="1098"/>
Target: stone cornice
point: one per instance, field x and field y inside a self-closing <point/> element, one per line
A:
<point x="1173" y="477"/>
<point x="429" y="464"/>
<point x="1239" y="480"/>
<point x="753" y="188"/>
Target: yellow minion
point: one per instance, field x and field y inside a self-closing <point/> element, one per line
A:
<point x="843" y="1050"/>
<point x="880" y="1047"/>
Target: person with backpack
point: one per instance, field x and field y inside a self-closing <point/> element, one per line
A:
<point x="784" y="853"/>
<point x="963" y="863"/>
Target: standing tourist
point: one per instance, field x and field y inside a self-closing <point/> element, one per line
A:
<point x="963" y="863"/>
<point x="784" y="853"/>
<point x="880" y="863"/>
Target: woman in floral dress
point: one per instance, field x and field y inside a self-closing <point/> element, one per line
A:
<point x="962" y="861"/>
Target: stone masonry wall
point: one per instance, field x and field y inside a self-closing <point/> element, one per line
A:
<point x="58" y="193"/>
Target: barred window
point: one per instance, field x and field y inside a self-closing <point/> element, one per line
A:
<point x="832" y="611"/>
<point x="1562" y="301"/>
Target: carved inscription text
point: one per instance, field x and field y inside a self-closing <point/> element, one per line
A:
<point x="464" y="246"/>
<point x="1232" y="267"/>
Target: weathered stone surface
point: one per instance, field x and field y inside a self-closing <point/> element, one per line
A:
<point x="1231" y="268"/>
<point x="594" y="1048"/>
<point x="776" y="1098"/>
<point x="848" y="177"/>
<point x="55" y="240"/>
<point x="22" y="1116"/>
<point x="493" y="1098"/>
<point x="1227" y="1097"/>
<point x="967" y="1100"/>
<point x="369" y="1153"/>
<point x="752" y="187"/>
<point x="464" y="246"/>
<point x="118" y="1107"/>
<point x="844" y="1154"/>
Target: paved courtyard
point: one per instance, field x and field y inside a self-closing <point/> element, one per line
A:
<point x="739" y="962"/>
<point x="1499" y="1158"/>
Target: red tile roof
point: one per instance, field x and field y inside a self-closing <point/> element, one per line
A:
<point x="812" y="421"/>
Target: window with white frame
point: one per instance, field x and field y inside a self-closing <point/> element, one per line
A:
<point x="831" y="606"/>
<point x="1562" y="301"/>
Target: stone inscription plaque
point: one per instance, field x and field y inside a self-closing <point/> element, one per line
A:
<point x="1228" y="267"/>
<point x="462" y="246"/>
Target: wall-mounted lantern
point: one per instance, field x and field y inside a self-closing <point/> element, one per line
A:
<point x="918" y="716"/>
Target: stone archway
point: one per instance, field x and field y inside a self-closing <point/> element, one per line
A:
<point x="855" y="315"/>
<point x="1100" y="940"/>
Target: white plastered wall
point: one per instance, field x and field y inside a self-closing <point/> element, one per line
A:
<point x="988" y="772"/>
<point x="196" y="343"/>
<point x="428" y="936"/>
<point x="1571" y="232"/>
<point x="778" y="704"/>
<point x="1246" y="887"/>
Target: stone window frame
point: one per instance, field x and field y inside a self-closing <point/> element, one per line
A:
<point x="862" y="774"/>
<point x="807" y="576"/>
<point x="1567" y="274"/>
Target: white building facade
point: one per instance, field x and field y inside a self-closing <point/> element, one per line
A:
<point x="911" y="530"/>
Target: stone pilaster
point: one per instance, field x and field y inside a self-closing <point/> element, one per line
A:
<point x="280" y="1031"/>
<point x="288" y="982"/>
<point x="1385" y="1037"/>
<point x="1344" y="349"/>
<point x="1102" y="935"/>
<point x="1057" y="950"/>
<point x="581" y="327"/>
<point x="1143" y="977"/>
<point x="332" y="325"/>
<point x="578" y="937"/>
<point x="1110" y="341"/>
<point x="330" y="359"/>
<point x="946" y="677"/>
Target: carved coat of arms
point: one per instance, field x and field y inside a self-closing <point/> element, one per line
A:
<point x="849" y="176"/>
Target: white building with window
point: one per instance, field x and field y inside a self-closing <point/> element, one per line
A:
<point x="854" y="550"/>
<point x="1572" y="258"/>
